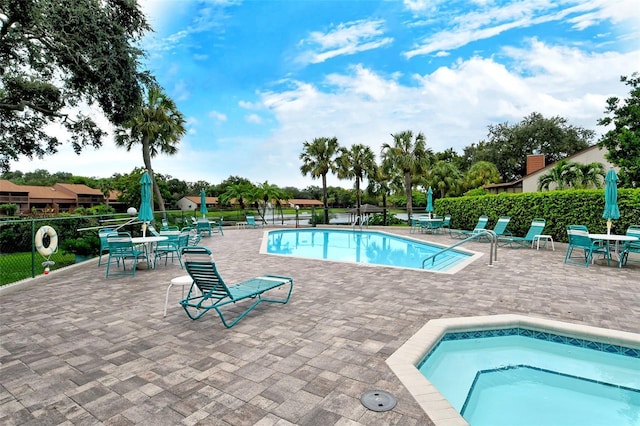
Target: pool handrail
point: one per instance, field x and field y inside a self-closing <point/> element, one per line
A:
<point x="493" y="251"/>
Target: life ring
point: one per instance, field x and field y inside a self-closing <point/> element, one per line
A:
<point x="53" y="241"/>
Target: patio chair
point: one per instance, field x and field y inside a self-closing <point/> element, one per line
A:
<point x="579" y="240"/>
<point x="251" y="222"/>
<point x="446" y="223"/>
<point x="500" y="228"/>
<point x="216" y="226"/>
<point x="536" y="228"/>
<point x="170" y="247"/>
<point x="121" y="248"/>
<point x="203" y="226"/>
<point x="462" y="234"/>
<point x="104" y="244"/>
<point x="630" y="246"/>
<point x="209" y="291"/>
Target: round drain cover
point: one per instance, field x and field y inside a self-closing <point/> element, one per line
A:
<point x="378" y="400"/>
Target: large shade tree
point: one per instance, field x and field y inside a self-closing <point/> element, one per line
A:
<point x="409" y="157"/>
<point x="56" y="59"/>
<point x="508" y="145"/>
<point x="157" y="127"/>
<point x="357" y="162"/>
<point x="623" y="140"/>
<point x="318" y="159"/>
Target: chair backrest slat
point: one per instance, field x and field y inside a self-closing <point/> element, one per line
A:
<point x="537" y="228"/>
<point x="200" y="265"/>
<point x="579" y="237"/>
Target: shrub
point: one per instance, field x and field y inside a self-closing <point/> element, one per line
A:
<point x="558" y="208"/>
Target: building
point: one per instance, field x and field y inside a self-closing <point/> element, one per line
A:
<point x="536" y="168"/>
<point x="61" y="197"/>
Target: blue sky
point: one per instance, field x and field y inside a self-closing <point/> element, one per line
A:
<point x="257" y="78"/>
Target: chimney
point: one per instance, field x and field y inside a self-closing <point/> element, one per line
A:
<point x="534" y="163"/>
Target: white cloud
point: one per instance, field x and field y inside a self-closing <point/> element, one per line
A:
<point x="218" y="116"/>
<point x="470" y="25"/>
<point x="254" y="119"/>
<point x="344" y="39"/>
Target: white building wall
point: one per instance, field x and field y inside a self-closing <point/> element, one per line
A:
<point x="587" y="156"/>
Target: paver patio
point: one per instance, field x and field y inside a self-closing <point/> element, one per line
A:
<point x="77" y="348"/>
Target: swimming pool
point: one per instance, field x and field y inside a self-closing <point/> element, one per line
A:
<point x="487" y="364"/>
<point x="516" y="376"/>
<point x="365" y="247"/>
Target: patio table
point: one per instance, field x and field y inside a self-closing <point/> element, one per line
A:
<point x="148" y="242"/>
<point x="613" y="237"/>
<point x="430" y="224"/>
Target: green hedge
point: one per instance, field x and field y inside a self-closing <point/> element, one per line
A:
<point x="559" y="208"/>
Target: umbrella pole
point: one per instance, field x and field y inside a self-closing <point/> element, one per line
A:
<point x="608" y="226"/>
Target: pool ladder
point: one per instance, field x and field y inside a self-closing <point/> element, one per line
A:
<point x="359" y="221"/>
<point x="493" y="251"/>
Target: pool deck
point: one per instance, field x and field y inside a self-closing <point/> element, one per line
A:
<point x="77" y="348"/>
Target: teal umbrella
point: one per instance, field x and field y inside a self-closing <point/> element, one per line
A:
<point x="203" y="203"/>
<point x="145" y="214"/>
<point x="429" y="208"/>
<point x="611" y="210"/>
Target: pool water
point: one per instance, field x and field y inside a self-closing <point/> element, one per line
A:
<point x="530" y="378"/>
<point x="367" y="247"/>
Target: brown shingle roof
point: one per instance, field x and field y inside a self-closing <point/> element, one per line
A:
<point x="8" y="186"/>
<point x="78" y="189"/>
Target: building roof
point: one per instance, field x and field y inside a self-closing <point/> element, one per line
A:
<point x="8" y="186"/>
<point x="46" y="192"/>
<point x="79" y="189"/>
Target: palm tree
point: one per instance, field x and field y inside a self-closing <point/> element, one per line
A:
<point x="158" y="126"/>
<point x="318" y="159"/>
<point x="481" y="173"/>
<point x="590" y="175"/>
<point x="266" y="193"/>
<point x="240" y="191"/>
<point x="445" y="178"/>
<point x="409" y="158"/>
<point x="358" y="162"/>
<point x="380" y="185"/>
<point x="567" y="174"/>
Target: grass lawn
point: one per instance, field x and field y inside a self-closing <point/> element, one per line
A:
<point x="18" y="266"/>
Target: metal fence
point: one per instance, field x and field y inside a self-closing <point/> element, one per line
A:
<point x="77" y="236"/>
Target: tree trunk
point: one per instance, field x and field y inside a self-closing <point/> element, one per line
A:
<point x="146" y="156"/>
<point x="407" y="190"/>
<point x="324" y="199"/>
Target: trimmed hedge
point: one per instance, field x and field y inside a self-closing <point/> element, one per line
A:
<point x="558" y="208"/>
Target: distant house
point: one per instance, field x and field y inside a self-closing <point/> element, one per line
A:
<point x="61" y="197"/>
<point x="536" y="167"/>
<point x="192" y="203"/>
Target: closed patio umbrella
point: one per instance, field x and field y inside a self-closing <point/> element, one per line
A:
<point x="429" y="208"/>
<point x="611" y="210"/>
<point x="203" y="203"/>
<point x="145" y="214"/>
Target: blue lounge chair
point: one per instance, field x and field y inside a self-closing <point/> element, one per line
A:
<point x="500" y="228"/>
<point x="209" y="291"/>
<point x="536" y="228"/>
<point x="462" y="234"/>
<point x="579" y="240"/>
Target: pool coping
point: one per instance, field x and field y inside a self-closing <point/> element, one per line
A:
<point x="473" y="255"/>
<point x="404" y="361"/>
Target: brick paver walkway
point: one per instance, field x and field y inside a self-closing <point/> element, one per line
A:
<point x="77" y="348"/>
